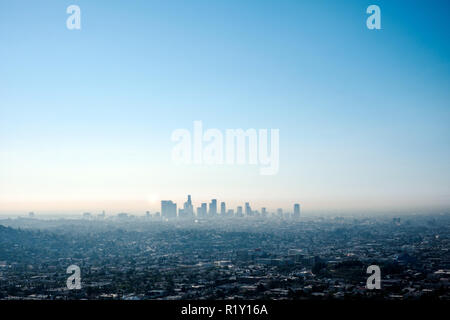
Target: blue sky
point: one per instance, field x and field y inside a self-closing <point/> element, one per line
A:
<point x="86" y="115"/>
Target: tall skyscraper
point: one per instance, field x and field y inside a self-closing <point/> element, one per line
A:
<point x="168" y="209"/>
<point x="188" y="209"/>
<point x="239" y="211"/>
<point x="223" y="210"/>
<point x="213" y="207"/>
<point x="296" y="210"/>
<point x="204" y="209"/>
<point x="248" y="209"/>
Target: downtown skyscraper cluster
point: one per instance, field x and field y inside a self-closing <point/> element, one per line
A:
<point x="205" y="210"/>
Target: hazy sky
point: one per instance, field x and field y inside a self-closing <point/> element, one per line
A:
<point x="86" y="115"/>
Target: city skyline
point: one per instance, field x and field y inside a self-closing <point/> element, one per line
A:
<point x="169" y="210"/>
<point x="188" y="209"/>
<point x="152" y="204"/>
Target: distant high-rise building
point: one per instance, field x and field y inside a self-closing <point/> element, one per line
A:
<point x="168" y="209"/>
<point x="188" y="205"/>
<point x="188" y="209"/>
<point x="213" y="207"/>
<point x="230" y="213"/>
<point x="202" y="211"/>
<point x="248" y="209"/>
<point x="147" y="214"/>
<point x="87" y="215"/>
<point x="31" y="214"/>
<point x="223" y="210"/>
<point x="239" y="211"/>
<point x="263" y="212"/>
<point x="280" y="212"/>
<point x="296" y="210"/>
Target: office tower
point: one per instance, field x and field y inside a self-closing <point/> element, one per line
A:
<point x="168" y="209"/>
<point x="188" y="209"/>
<point x="248" y="209"/>
<point x="263" y="212"/>
<point x="223" y="210"/>
<point x="239" y="211"/>
<point x="230" y="213"/>
<point x="213" y="207"/>
<point x="280" y="212"/>
<point x="204" y="209"/>
<point x="296" y="210"/>
<point x="188" y="206"/>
